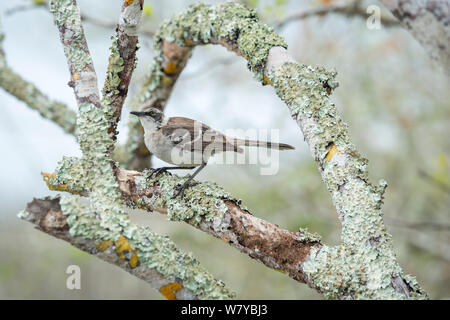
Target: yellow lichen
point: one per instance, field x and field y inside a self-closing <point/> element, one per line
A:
<point x="188" y="42"/>
<point x="75" y="76"/>
<point x="168" y="291"/>
<point x="122" y="246"/>
<point x="134" y="259"/>
<point x="267" y="80"/>
<point x="129" y="1"/>
<point x="148" y="10"/>
<point x="55" y="187"/>
<point x="171" y="68"/>
<point x="167" y="81"/>
<point x="105" y="244"/>
<point x="331" y="152"/>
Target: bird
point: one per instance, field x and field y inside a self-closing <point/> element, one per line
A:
<point x="188" y="143"/>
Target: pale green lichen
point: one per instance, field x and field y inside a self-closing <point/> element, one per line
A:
<point x="364" y="264"/>
<point x="230" y="21"/>
<point x="201" y="202"/>
<point x="306" y="236"/>
<point x="154" y="251"/>
<point x="115" y="66"/>
<point x="33" y="97"/>
<point x="67" y="17"/>
<point x="94" y="173"/>
<point x="23" y="214"/>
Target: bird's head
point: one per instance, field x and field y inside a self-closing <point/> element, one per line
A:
<point x="151" y="119"/>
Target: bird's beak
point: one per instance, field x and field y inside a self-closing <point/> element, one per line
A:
<point x="136" y="113"/>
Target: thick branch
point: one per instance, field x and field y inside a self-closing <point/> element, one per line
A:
<point x="122" y="60"/>
<point x="105" y="218"/>
<point x="429" y="23"/>
<point x="212" y="210"/>
<point x="83" y="77"/>
<point x="339" y="272"/>
<point x="47" y="216"/>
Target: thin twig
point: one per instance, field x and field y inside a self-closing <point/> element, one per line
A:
<point x="351" y="10"/>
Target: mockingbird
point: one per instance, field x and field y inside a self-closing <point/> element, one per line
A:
<point x="188" y="143"/>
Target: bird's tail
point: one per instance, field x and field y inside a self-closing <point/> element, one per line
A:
<point x="263" y="144"/>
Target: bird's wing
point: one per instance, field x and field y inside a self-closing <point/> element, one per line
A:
<point x="193" y="135"/>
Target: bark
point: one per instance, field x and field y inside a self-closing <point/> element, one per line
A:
<point x="219" y="215"/>
<point x="47" y="217"/>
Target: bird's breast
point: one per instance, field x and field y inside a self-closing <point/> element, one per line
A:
<point x="165" y="150"/>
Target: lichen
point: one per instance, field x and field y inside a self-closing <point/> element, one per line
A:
<point x="306" y="236"/>
<point x="363" y="265"/>
<point x="233" y="22"/>
<point x="203" y="201"/>
<point x="64" y="12"/>
<point x="94" y="173"/>
<point x="154" y="251"/>
<point x="115" y="66"/>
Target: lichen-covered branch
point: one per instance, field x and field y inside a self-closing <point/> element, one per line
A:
<point x="103" y="218"/>
<point x="122" y="59"/>
<point x="429" y="23"/>
<point x="364" y="264"/>
<point x="134" y="249"/>
<point x="173" y="49"/>
<point x="27" y="92"/>
<point x="350" y="10"/>
<point x="83" y="77"/>
<point x="213" y="210"/>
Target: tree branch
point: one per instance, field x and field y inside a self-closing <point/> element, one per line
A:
<point x="104" y="219"/>
<point x="122" y="60"/>
<point x="429" y="23"/>
<point x="211" y="209"/>
<point x="47" y="216"/>
<point x="27" y="92"/>
<point x="344" y="271"/>
<point x="350" y="10"/>
<point x="362" y="266"/>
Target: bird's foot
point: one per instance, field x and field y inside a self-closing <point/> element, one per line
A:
<point x="179" y="190"/>
<point x="156" y="172"/>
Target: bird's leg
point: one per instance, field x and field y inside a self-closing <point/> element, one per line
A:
<point x="156" y="172"/>
<point x="180" y="190"/>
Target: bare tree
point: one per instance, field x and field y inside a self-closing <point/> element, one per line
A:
<point x="94" y="219"/>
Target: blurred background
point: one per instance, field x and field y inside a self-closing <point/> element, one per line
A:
<point x="394" y="99"/>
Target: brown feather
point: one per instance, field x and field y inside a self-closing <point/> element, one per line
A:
<point x="185" y="132"/>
